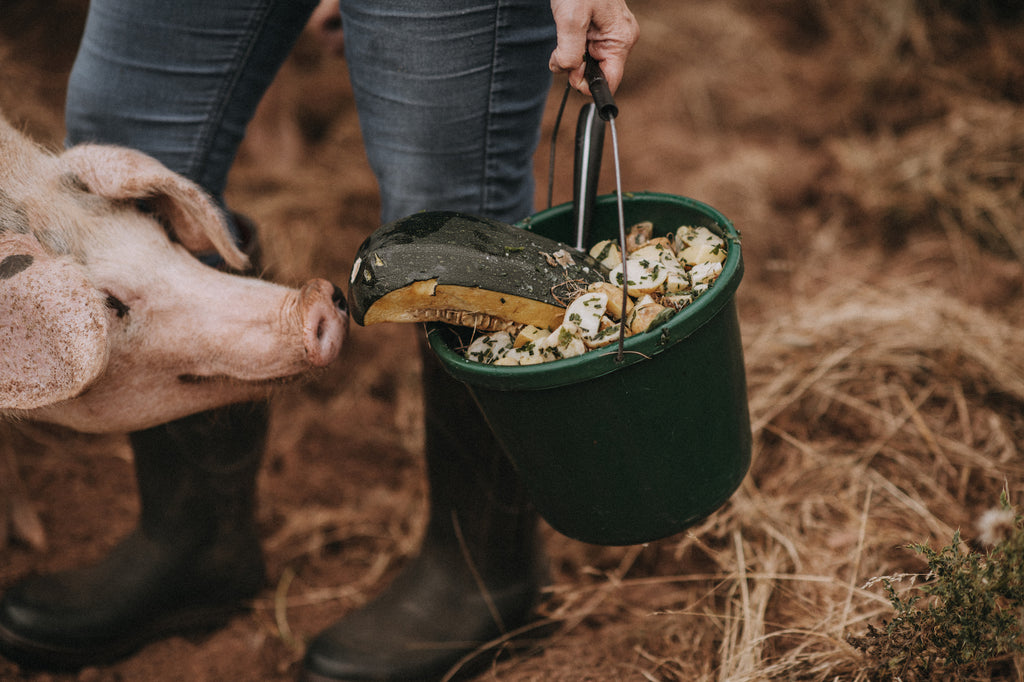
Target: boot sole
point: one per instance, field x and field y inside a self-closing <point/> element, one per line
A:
<point x="525" y="641"/>
<point x="32" y="654"/>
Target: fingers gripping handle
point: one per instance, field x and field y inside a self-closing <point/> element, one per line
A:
<point x="602" y="94"/>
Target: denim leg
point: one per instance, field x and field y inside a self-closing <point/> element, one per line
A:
<point x="450" y="96"/>
<point x="179" y="79"/>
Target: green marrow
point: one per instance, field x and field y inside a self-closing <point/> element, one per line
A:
<point x="466" y="270"/>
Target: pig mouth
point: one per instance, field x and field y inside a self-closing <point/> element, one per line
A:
<point x="196" y="379"/>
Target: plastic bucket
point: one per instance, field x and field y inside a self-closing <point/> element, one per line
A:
<point x="623" y="452"/>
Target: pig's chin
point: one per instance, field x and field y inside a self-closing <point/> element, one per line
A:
<point x="197" y="379"/>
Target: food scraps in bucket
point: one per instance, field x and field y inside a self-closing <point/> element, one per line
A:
<point x="665" y="275"/>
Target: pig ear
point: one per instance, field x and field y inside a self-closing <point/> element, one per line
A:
<point x="121" y="173"/>
<point x="53" y="327"/>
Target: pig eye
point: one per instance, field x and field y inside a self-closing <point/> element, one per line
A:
<point x="116" y="304"/>
<point x="146" y="207"/>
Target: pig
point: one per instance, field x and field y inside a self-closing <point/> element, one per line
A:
<point x="108" y="321"/>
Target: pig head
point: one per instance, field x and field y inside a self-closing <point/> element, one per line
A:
<point x="108" y="322"/>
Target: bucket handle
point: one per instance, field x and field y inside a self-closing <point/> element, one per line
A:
<point x="587" y="167"/>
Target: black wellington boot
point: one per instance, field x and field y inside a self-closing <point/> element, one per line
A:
<point x="194" y="559"/>
<point x="476" y="576"/>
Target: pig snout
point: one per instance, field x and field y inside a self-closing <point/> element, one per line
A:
<point x="324" y="315"/>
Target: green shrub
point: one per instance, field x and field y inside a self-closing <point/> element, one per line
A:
<point x="964" y="621"/>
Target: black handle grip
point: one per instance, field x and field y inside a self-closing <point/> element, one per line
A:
<point x="599" y="89"/>
<point x="586" y="172"/>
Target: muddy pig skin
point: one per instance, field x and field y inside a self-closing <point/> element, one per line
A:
<point x="108" y="322"/>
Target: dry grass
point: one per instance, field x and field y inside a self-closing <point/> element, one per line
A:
<point x="881" y="417"/>
<point x="936" y="135"/>
<point x="887" y="404"/>
<point x="885" y="409"/>
<point x="944" y="174"/>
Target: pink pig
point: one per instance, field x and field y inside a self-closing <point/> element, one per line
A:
<point x="108" y="323"/>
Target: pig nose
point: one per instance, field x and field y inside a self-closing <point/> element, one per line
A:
<point x="324" y="322"/>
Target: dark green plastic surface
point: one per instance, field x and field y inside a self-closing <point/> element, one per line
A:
<point x="619" y="453"/>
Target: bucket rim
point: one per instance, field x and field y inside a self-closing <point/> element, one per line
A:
<point x="639" y="348"/>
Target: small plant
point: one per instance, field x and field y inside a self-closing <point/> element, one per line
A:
<point x="965" y="620"/>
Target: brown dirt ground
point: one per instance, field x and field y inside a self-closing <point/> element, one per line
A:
<point x="784" y="116"/>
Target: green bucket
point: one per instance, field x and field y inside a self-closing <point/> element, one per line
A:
<point x="624" y="452"/>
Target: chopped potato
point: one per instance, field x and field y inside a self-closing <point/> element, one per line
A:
<point x="614" y="294"/>
<point x="666" y="274"/>
<point x="607" y="253"/>
<point x="529" y="333"/>
<point x="490" y="347"/>
<point x="639" y="235"/>
<point x="644" y="315"/>
<point x="583" y="316"/>
<point x="644" y="275"/>
<point x="699" y="245"/>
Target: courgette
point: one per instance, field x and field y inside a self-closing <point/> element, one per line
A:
<point x="466" y="270"/>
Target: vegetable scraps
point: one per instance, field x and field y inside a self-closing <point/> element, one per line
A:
<point x="666" y="274"/>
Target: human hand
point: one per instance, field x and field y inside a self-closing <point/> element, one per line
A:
<point x="605" y="28"/>
<point x="325" y="23"/>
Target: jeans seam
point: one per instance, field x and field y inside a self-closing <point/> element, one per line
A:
<point x="485" y="184"/>
<point x="216" y="119"/>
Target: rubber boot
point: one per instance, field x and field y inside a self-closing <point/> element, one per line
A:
<point x="193" y="561"/>
<point x="476" y="576"/>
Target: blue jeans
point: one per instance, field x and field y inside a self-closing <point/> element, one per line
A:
<point x="450" y="93"/>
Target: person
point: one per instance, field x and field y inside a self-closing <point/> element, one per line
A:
<point x="450" y="96"/>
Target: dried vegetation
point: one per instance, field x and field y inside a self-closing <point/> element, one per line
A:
<point x="871" y="154"/>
